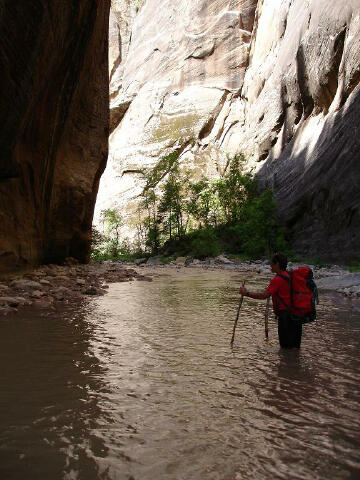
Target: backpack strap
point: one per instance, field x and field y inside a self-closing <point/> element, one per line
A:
<point x="279" y="299"/>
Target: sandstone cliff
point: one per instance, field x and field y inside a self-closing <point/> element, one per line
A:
<point x="54" y="126"/>
<point x="276" y="80"/>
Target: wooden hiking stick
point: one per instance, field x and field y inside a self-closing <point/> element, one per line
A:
<point x="237" y="316"/>
<point x="267" y="318"/>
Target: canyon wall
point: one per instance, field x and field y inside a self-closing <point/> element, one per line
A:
<point x="277" y="80"/>
<point x="54" y="127"/>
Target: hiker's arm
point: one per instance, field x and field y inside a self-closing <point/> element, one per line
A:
<point x="257" y="295"/>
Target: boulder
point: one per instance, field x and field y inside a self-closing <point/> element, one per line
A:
<point x="180" y="261"/>
<point x="10" y="301"/>
<point x="154" y="261"/>
<point x="14" y="301"/>
<point x="91" y="290"/>
<point x="339" y="281"/>
<point x="221" y="259"/>
<point x="139" y="261"/>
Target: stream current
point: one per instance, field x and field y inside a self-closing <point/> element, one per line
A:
<point x="142" y="384"/>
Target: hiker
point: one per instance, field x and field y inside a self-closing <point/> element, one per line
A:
<point x="289" y="331"/>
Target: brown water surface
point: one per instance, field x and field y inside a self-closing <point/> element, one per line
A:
<point x="142" y="384"/>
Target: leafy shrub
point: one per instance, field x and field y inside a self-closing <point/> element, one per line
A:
<point x="205" y="243"/>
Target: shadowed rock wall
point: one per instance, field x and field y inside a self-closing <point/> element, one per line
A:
<point x="54" y="126"/>
<point x="275" y="79"/>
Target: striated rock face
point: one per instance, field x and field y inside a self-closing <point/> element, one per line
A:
<point x="54" y="126"/>
<point x="275" y="79"/>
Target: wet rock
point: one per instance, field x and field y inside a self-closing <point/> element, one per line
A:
<point x="43" y="304"/>
<point x="14" y="301"/>
<point x="144" y="278"/>
<point x="6" y="310"/>
<point x="10" y="301"/>
<point x="91" y="290"/>
<point x="25" y="284"/>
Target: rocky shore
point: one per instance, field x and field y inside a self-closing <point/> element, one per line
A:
<point x="49" y="286"/>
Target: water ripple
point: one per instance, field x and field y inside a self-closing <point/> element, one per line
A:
<point x="142" y="384"/>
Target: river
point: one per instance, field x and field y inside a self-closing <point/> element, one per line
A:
<point x="142" y="384"/>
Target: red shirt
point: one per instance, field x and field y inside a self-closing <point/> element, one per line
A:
<point x="279" y="287"/>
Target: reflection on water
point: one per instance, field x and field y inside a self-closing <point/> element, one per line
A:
<point x="142" y="384"/>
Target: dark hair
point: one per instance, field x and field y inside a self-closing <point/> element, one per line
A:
<point x="280" y="259"/>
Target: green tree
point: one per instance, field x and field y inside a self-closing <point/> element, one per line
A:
<point x="260" y="230"/>
<point x="234" y="189"/>
<point x="112" y="221"/>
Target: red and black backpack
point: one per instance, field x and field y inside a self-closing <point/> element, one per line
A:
<point x="303" y="294"/>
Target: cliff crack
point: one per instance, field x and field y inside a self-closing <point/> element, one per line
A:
<point x="209" y="125"/>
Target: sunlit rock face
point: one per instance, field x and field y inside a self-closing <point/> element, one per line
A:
<point x="54" y="127"/>
<point x="172" y="85"/>
<point x="275" y="79"/>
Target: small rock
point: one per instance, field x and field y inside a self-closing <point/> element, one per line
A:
<point x="25" y="284"/>
<point x="139" y="261"/>
<point x="44" y="282"/>
<point x="14" y="301"/>
<point x="63" y="278"/>
<point x="144" y="278"/>
<point x="42" y="304"/>
<point x="180" y="261"/>
<point x="91" y="290"/>
<point x="6" y="310"/>
<point x="9" y="301"/>
<point x="59" y="296"/>
<point x="37" y="294"/>
<point x="154" y="261"/>
<point x="62" y="289"/>
<point x="80" y="281"/>
<point x="195" y="261"/>
<point x="223" y="260"/>
<point x="69" y="261"/>
<point x="209" y="261"/>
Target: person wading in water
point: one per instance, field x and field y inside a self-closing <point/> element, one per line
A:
<point x="289" y="330"/>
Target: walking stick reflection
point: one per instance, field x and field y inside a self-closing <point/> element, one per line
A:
<point x="267" y="318"/>
<point x="237" y="316"/>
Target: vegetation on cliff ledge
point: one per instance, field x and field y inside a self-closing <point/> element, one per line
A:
<point x="179" y="215"/>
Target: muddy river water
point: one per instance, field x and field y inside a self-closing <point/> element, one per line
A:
<point x="141" y="384"/>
